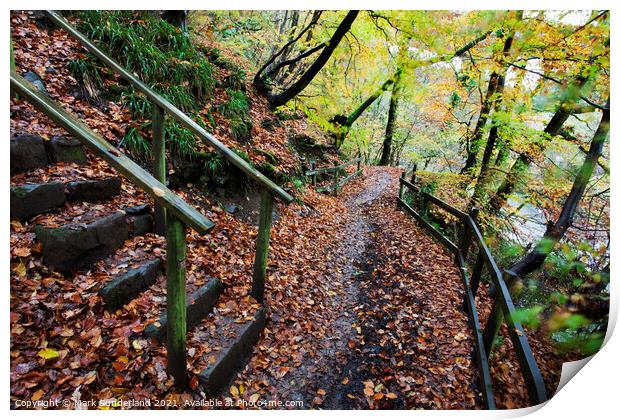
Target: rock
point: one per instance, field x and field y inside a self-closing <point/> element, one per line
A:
<point x="127" y="286"/>
<point x="68" y="150"/>
<point x="74" y="246"/>
<point x="31" y="199"/>
<point x="199" y="305"/>
<point x="94" y="190"/>
<point x="34" y="78"/>
<point x="232" y="358"/>
<point x="231" y="208"/>
<point x="141" y="219"/>
<point x="139" y="209"/>
<point x="27" y="152"/>
<point x="141" y="224"/>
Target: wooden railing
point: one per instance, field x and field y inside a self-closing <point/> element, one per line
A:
<point x="503" y="307"/>
<point x="337" y="171"/>
<point x="172" y="214"/>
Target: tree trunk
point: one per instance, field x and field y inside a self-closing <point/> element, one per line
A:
<point x="496" y="103"/>
<point x="474" y="139"/>
<point x="403" y="52"/>
<point x="262" y="76"/>
<point x="281" y="98"/>
<point x="555" y="231"/>
<point x="345" y="123"/>
<point x="341" y="124"/>
<point x="392" y="113"/>
<point x="523" y="161"/>
<point x="176" y="18"/>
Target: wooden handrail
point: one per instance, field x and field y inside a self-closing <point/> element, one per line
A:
<point x="503" y="307"/>
<point x="336" y="170"/>
<point x="173" y="111"/>
<point x="447" y="207"/>
<point x="104" y="150"/>
<point x="333" y="168"/>
<point x="437" y="201"/>
<point x="409" y="185"/>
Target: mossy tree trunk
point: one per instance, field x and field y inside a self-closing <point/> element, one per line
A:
<point x="497" y="104"/>
<point x="519" y="168"/>
<point x="555" y="231"/>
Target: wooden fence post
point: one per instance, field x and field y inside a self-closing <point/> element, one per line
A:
<point x="359" y="160"/>
<point x="497" y="315"/>
<point x="466" y="233"/>
<point x="423" y="203"/>
<point x="313" y="168"/>
<point x="159" y="163"/>
<point x="175" y="298"/>
<point x="262" y="246"/>
<point x="474" y="283"/>
<point x="493" y="324"/>
<point x="336" y="176"/>
<point x="413" y="173"/>
<point x="401" y="186"/>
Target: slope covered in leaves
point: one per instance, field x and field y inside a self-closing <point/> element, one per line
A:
<point x="49" y="52"/>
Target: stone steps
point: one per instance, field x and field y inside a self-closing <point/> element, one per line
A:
<point x="125" y="287"/>
<point x="30" y="151"/>
<point x="29" y="200"/>
<point x="75" y="246"/>
<point x="233" y="356"/>
<point x="199" y="305"/>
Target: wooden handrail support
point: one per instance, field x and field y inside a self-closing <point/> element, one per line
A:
<point x="319" y="171"/>
<point x="503" y="308"/>
<point x="119" y="161"/>
<point x="178" y="214"/>
<point x="337" y="184"/>
<point x="169" y="208"/>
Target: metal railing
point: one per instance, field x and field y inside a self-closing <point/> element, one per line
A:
<point x="503" y="307"/>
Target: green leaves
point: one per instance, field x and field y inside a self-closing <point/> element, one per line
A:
<point x="530" y="317"/>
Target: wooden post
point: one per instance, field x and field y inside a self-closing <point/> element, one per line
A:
<point x="493" y="324"/>
<point x="175" y="298"/>
<point x="262" y="246"/>
<point x="474" y="283"/>
<point x="359" y="160"/>
<point x="336" y="176"/>
<point x="401" y="185"/>
<point x="413" y="173"/>
<point x="159" y="163"/>
<point x="313" y="168"/>
<point x="497" y="315"/>
<point x="423" y="204"/>
<point x="466" y="234"/>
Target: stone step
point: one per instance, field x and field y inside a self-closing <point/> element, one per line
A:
<point x="30" y="151"/>
<point x="125" y="287"/>
<point x="199" y="305"/>
<point x="233" y="356"/>
<point x="93" y="190"/>
<point x="75" y="246"/>
<point x="29" y="200"/>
